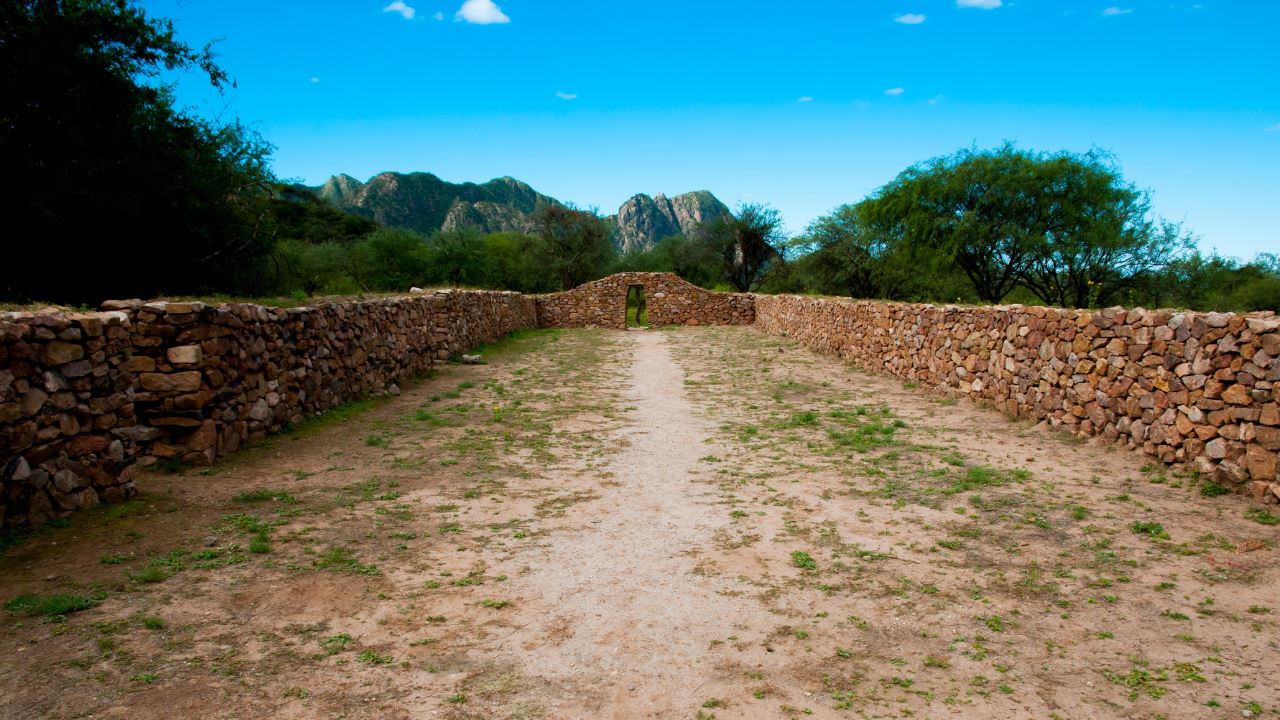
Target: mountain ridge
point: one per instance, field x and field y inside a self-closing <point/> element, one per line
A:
<point x="425" y="203"/>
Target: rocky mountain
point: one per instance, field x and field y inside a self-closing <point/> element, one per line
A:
<point x="424" y="203"/>
<point x="644" y="220"/>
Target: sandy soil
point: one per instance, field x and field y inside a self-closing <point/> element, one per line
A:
<point x="687" y="523"/>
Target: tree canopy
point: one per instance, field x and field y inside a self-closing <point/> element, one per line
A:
<point x="119" y="191"/>
<point x="1064" y="226"/>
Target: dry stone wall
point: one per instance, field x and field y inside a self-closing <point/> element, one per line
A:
<point x="669" y="301"/>
<point x="87" y="397"/>
<point x="1195" y="389"/>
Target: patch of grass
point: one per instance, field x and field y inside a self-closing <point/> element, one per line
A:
<point x="334" y="416"/>
<point x="335" y="644"/>
<point x="1213" y="489"/>
<point x="1261" y="515"/>
<point x="153" y="623"/>
<point x="369" y="657"/>
<point x="803" y="560"/>
<point x="1150" y="529"/>
<point x="495" y="604"/>
<point x="1140" y="681"/>
<point x="377" y="441"/>
<point x="342" y="560"/>
<point x="981" y="476"/>
<point x="53" y="607"/>
<point x="801" y="418"/>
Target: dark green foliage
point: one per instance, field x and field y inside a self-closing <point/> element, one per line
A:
<point x="52" y="606"/>
<point x="690" y="259"/>
<point x="748" y="245"/>
<point x="1065" y="227"/>
<point x="843" y="256"/>
<point x="132" y="195"/>
<point x="575" y="244"/>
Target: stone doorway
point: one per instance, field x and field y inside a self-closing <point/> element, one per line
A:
<point x="637" y="308"/>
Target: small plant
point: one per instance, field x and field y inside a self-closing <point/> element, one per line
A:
<point x="376" y="441"/>
<point x="145" y="678"/>
<point x="994" y="622"/>
<point x="1150" y="529"/>
<point x="457" y="699"/>
<point x="369" y="657"/>
<point x="803" y="560"/>
<point x="153" y="623"/>
<point x="495" y="604"/>
<point x="335" y="644"/>
<point x="1213" y="489"/>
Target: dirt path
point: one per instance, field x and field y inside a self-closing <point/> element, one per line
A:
<point x="686" y="523"/>
<point x="640" y="621"/>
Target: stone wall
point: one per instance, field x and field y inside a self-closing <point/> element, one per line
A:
<point x="669" y="301"/>
<point x="87" y="397"/>
<point x="1193" y="389"/>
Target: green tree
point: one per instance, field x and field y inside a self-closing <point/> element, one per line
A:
<point x="391" y="259"/>
<point x="1100" y="237"/>
<point x="1065" y="226"/>
<point x="134" y="195"/>
<point x="976" y="209"/>
<point x="843" y="256"/>
<point x="575" y="244"/>
<point x="455" y="258"/>
<point x="747" y="244"/>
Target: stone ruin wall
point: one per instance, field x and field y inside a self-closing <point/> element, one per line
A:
<point x="1198" y="390"/>
<point x="85" y="398"/>
<point x="669" y="300"/>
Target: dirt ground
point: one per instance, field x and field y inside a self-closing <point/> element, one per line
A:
<point x="684" y="523"/>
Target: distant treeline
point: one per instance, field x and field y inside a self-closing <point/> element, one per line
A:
<point x="121" y="193"/>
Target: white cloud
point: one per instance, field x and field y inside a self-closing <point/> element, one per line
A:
<point x="439" y="16"/>
<point x="398" y="6"/>
<point x="1116" y="11"/>
<point x="804" y="99"/>
<point x="315" y="79"/>
<point x="980" y="4"/>
<point x="481" y="12"/>
<point x="937" y="99"/>
<point x="894" y="92"/>
<point x="909" y="19"/>
<point x="1274" y="128"/>
<point x="566" y="96"/>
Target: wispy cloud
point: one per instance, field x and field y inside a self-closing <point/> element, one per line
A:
<point x="398" y="6"/>
<point x="314" y="79"/>
<point x="1116" y="11"/>
<point x="980" y="4"/>
<point x="566" y="96"/>
<point x="804" y="99"/>
<point x="481" y="12"/>
<point x="937" y="99"/>
<point x="909" y="19"/>
<point x="894" y="92"/>
<point x="439" y="16"/>
<point x="1274" y="128"/>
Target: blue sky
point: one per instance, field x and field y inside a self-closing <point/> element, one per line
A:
<point x="803" y="105"/>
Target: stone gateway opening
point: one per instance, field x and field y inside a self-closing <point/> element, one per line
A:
<point x="637" y="310"/>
